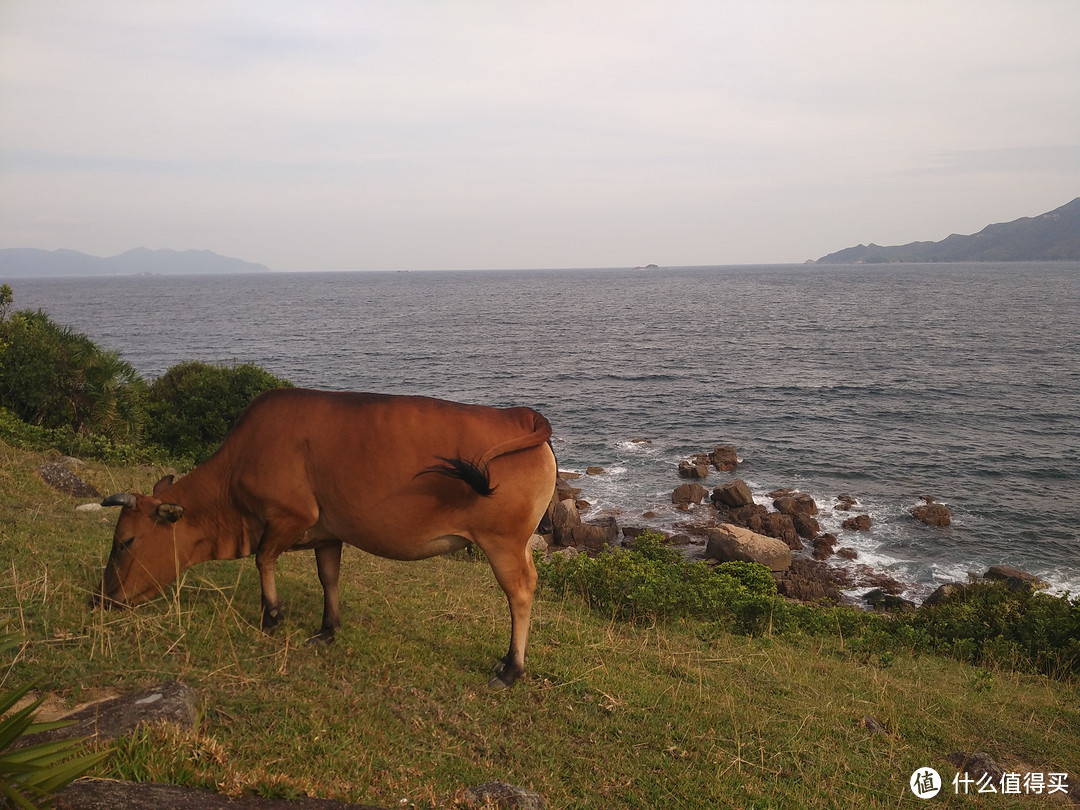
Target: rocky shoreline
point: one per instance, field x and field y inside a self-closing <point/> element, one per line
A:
<point x="726" y="523"/>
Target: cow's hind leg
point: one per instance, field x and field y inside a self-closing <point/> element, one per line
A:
<point x="328" y="560"/>
<point x="516" y="574"/>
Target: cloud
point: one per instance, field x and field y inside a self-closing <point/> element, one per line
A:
<point x="1015" y="160"/>
<point x="340" y="133"/>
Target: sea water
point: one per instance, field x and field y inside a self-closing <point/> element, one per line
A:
<point x="888" y="382"/>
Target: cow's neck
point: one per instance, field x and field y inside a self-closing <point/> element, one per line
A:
<point x="216" y="521"/>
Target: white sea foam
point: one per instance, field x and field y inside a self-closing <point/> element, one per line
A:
<point x="641" y="448"/>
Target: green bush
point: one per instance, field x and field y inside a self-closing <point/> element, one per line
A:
<point x="6" y="300"/>
<point x="755" y="578"/>
<point x="653" y="546"/>
<point x="651" y="580"/>
<point x="989" y="624"/>
<point x="54" y="377"/>
<point x="58" y="389"/>
<point x="32" y="437"/>
<point x="191" y="408"/>
<point x="985" y="624"/>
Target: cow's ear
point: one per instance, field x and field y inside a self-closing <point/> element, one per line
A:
<point x="169" y="512"/>
<point x="164" y="482"/>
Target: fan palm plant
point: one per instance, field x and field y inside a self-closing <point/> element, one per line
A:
<point x="30" y="773"/>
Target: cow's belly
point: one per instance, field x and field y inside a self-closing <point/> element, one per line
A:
<point x="415" y="549"/>
<point x="392" y="542"/>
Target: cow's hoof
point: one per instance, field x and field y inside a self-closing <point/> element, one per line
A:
<point x="497" y="684"/>
<point x="505" y="676"/>
<point x="323" y="637"/>
<point x="272" y="619"/>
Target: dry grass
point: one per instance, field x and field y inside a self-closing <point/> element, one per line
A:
<point x="397" y="713"/>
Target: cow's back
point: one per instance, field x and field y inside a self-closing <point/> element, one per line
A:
<point x="357" y="461"/>
<point x="352" y="431"/>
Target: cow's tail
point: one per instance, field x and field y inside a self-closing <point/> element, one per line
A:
<point x="475" y="473"/>
<point x="541" y="432"/>
<point x="470" y="472"/>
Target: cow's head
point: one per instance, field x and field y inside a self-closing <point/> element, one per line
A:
<point x="149" y="548"/>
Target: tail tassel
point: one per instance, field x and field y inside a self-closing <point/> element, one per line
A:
<point x="475" y="475"/>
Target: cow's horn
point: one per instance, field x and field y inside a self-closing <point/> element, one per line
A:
<point x="120" y="499"/>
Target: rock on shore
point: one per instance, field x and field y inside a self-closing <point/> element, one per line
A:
<point x="932" y="513"/>
<point x="739" y="528"/>
<point x="728" y="543"/>
<point x="733" y="494"/>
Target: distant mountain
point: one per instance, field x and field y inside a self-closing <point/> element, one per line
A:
<point x="40" y="263"/>
<point x="1053" y="236"/>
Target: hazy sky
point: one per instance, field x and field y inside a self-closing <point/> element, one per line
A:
<point x="426" y="135"/>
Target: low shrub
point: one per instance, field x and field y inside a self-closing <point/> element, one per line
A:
<point x="985" y="624"/>
<point x="989" y="624"/>
<point x="65" y="440"/>
<point x="651" y="580"/>
<point x="191" y="408"/>
<point x="54" y="377"/>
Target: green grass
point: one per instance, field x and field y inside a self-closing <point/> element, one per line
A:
<point x="611" y="714"/>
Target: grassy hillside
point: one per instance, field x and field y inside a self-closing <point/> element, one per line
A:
<point x="397" y="713"/>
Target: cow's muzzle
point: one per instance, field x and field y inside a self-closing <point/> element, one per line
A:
<point x="108" y="596"/>
<point x="99" y="599"/>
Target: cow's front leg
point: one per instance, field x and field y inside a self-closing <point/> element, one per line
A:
<point x="328" y="560"/>
<point x="272" y="614"/>
<point x="284" y="529"/>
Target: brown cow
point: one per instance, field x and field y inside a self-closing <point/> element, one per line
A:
<point x="400" y="477"/>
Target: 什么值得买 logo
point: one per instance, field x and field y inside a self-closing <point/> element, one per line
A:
<point x="925" y="783"/>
